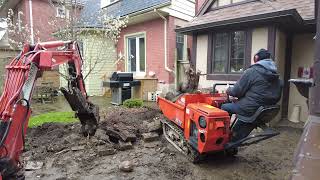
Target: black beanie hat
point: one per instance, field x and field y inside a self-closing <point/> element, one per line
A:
<point x="263" y="54"/>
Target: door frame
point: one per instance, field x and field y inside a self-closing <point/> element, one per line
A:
<point x="126" y="43"/>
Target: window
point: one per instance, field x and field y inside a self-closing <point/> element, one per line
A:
<point x="180" y="45"/>
<point x="229" y="52"/>
<point x="136" y="52"/>
<point x="62" y="12"/>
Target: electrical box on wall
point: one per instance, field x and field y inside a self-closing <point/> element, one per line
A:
<point x="153" y="96"/>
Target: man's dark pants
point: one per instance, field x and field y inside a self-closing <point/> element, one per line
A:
<point x="239" y="128"/>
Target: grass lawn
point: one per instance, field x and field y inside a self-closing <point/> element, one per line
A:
<point x="60" y="117"/>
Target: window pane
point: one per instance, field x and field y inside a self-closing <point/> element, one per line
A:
<point x="142" y="55"/>
<point x="132" y="54"/>
<point x="220" y="52"/>
<point x="179" y="45"/>
<point x="237" y="52"/>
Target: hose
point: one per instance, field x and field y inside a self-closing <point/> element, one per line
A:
<point x="24" y="118"/>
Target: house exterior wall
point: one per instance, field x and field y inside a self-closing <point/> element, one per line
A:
<point x="199" y="4"/>
<point x="259" y="40"/>
<point x="227" y="2"/>
<point x="184" y="7"/>
<point x="155" y="52"/>
<point x="102" y="52"/>
<point x="6" y="55"/>
<point x="279" y="58"/>
<point x="303" y="55"/>
<point x="43" y="13"/>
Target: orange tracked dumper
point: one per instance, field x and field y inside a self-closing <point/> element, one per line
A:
<point x="196" y="125"/>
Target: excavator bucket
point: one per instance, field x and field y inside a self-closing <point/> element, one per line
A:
<point x="87" y="112"/>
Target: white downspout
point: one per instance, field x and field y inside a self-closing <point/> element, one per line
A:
<point x="165" y="41"/>
<point x="31" y="22"/>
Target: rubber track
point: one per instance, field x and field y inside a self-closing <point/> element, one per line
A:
<point x="192" y="154"/>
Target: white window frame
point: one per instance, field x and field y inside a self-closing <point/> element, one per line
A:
<point x="185" y="49"/>
<point x="139" y="35"/>
<point x="64" y="9"/>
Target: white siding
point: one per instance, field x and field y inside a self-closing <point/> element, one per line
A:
<point x="183" y="9"/>
<point x="101" y="51"/>
<point x="184" y="6"/>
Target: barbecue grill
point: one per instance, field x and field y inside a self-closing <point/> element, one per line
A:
<point x="121" y="84"/>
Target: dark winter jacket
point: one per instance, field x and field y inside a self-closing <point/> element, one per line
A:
<point x="258" y="86"/>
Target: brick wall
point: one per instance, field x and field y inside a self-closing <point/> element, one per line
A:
<point x="43" y="12"/>
<point x="154" y="30"/>
<point x="6" y="55"/>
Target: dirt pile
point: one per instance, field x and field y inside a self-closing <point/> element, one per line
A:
<point x="118" y="129"/>
<point x="63" y="153"/>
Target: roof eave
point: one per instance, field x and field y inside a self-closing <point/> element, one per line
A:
<point x="147" y="9"/>
<point x="292" y="13"/>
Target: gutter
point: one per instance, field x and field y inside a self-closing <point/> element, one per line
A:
<point x="31" y="22"/>
<point x="165" y="21"/>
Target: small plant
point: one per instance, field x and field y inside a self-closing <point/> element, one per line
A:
<point x="133" y="103"/>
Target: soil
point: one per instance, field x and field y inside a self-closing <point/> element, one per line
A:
<point x="67" y="155"/>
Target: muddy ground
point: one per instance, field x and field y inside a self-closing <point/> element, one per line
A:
<point x="65" y="154"/>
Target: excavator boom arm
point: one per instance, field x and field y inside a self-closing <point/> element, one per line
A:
<point x="21" y="75"/>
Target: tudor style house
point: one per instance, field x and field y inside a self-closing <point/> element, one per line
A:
<point x="227" y="33"/>
<point x="149" y="44"/>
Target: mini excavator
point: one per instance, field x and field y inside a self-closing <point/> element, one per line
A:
<point x="15" y="110"/>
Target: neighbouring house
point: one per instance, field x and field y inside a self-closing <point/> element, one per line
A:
<point x="43" y="18"/>
<point x="149" y="44"/>
<point x="6" y="53"/>
<point x="98" y="51"/>
<point x="227" y="33"/>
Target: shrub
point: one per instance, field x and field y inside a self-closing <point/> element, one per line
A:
<point x="133" y="103"/>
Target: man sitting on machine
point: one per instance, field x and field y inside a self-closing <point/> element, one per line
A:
<point x="258" y="86"/>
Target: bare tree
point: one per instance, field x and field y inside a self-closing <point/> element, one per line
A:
<point x="18" y="31"/>
<point x="96" y="31"/>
